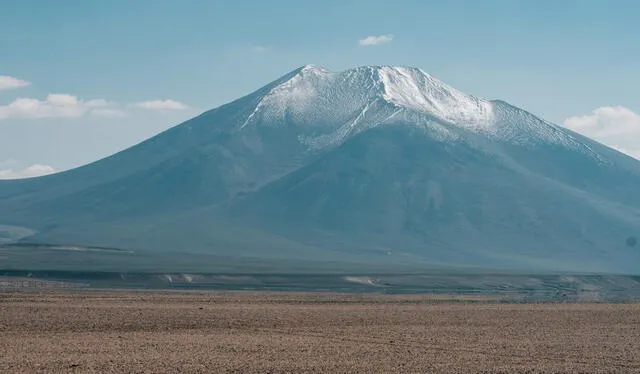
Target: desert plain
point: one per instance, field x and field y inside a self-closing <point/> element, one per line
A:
<point x="99" y="331"/>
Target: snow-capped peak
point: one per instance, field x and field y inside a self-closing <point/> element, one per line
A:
<point x="312" y="68"/>
<point x="414" y="89"/>
<point x="313" y="92"/>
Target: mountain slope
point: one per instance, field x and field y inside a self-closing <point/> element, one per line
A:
<point x="370" y="165"/>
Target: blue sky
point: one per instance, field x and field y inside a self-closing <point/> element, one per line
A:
<point x="135" y="68"/>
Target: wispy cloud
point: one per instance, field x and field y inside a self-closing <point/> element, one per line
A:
<point x="54" y="105"/>
<point x="7" y="82"/>
<point x="615" y="126"/>
<point x="36" y="170"/>
<point x="376" y="40"/>
<point x="98" y="103"/>
<point x="260" y="48"/>
<point x="108" y="112"/>
<point x="162" y="105"/>
<point x="70" y="106"/>
<point x="8" y="163"/>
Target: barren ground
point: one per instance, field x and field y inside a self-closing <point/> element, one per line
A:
<point x="152" y="332"/>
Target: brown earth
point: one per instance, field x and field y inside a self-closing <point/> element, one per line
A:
<point x="153" y="332"/>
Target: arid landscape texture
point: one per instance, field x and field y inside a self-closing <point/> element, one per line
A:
<point x="272" y="332"/>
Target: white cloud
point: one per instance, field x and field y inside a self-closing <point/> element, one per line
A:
<point x="57" y="105"/>
<point x="375" y="40"/>
<point x="29" y="172"/>
<point x="162" y="105"/>
<point x="62" y="100"/>
<point x="7" y="82"/>
<point x="615" y="126"/>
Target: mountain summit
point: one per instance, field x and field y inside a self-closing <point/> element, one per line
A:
<point x="372" y="166"/>
<point x="311" y="91"/>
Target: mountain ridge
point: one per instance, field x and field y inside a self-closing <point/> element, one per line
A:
<point x="368" y="165"/>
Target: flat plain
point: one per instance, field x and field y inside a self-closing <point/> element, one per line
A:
<point x="278" y="332"/>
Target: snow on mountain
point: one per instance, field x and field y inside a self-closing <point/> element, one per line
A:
<point x="372" y="165"/>
<point x="327" y="107"/>
<point x="414" y="89"/>
<point x="313" y="95"/>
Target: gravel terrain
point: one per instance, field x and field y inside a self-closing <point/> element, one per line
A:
<point x="264" y="332"/>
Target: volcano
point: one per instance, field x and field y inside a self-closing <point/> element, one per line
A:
<point x="373" y="166"/>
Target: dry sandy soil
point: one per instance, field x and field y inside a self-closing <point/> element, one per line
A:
<point x="145" y="332"/>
